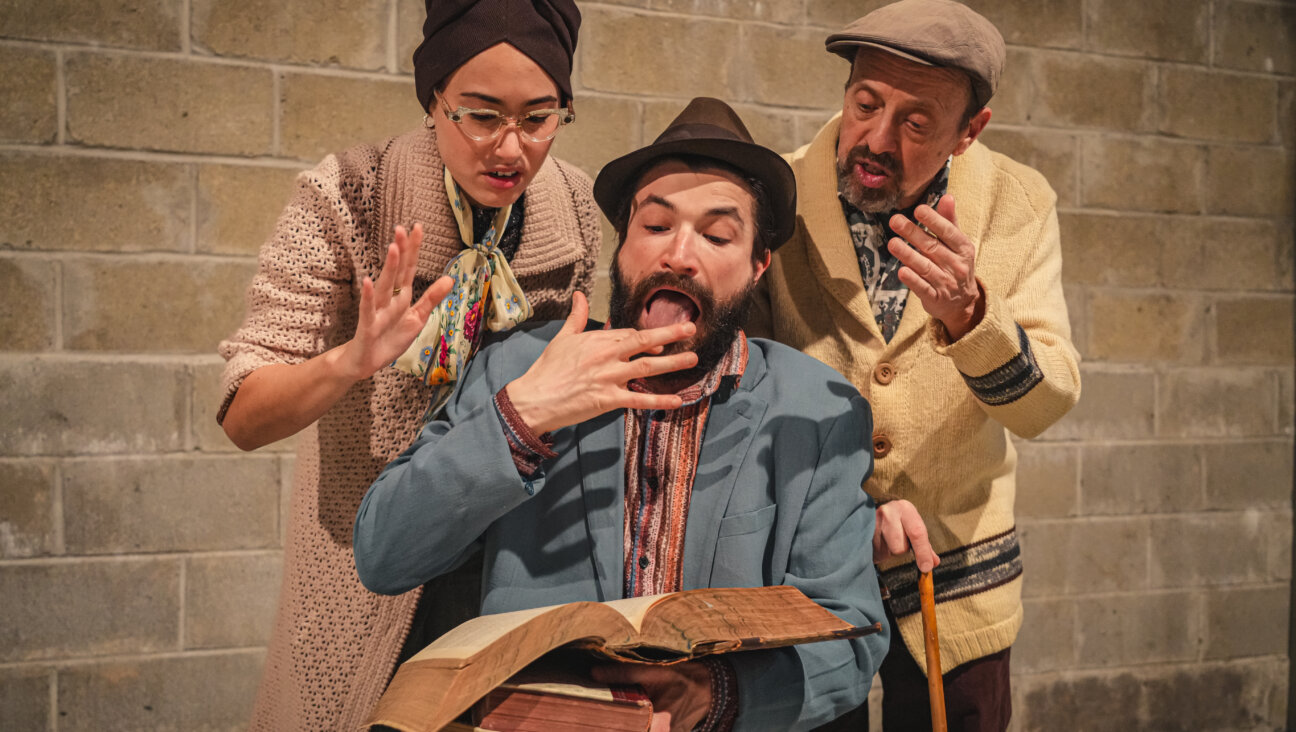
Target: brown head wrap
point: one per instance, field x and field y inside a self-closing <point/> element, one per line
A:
<point x="457" y="30"/>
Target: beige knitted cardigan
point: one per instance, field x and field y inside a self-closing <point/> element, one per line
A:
<point x="334" y="643"/>
<point x="943" y="448"/>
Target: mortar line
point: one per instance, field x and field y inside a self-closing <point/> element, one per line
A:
<point x="181" y="583"/>
<point x="57" y="512"/>
<point x="276" y="111"/>
<point x="392" y="36"/>
<point x="60" y="98"/>
<point x="193" y="210"/>
<point x="186" y="27"/>
<point x="52" y="724"/>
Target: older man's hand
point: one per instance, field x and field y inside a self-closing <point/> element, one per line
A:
<point x="940" y="266"/>
<point x="898" y="530"/>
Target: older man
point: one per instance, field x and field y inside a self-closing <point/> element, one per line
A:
<point x="664" y="452"/>
<point x="926" y="268"/>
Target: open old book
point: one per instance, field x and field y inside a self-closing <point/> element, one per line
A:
<point x="435" y="686"/>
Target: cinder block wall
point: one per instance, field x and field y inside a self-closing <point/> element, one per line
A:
<point x="146" y="147"/>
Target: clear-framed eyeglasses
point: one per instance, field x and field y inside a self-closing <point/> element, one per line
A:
<point x="538" y="125"/>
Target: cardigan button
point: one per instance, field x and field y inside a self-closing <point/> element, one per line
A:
<point x="643" y="561"/>
<point x="884" y="373"/>
<point x="881" y="445"/>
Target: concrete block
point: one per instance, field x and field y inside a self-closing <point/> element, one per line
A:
<point x="27" y="509"/>
<point x="28" y="295"/>
<point x="786" y="67"/>
<point x="1082" y="90"/>
<point x="773" y="128"/>
<point x="834" y="14"/>
<point x="1216" y="402"/>
<point x="1286" y="398"/>
<point x="1144" y="478"/>
<point x="1189" y="698"/>
<point x="328" y="114"/>
<point x="410" y="15"/>
<point x="1217" y="106"/>
<point x="1102" y="702"/>
<point x="1147" y="327"/>
<point x="1250" y="181"/>
<point x="208" y="692"/>
<point x="114" y="506"/>
<point x="238" y="206"/>
<point x="1054" y="154"/>
<point x="1250" y="621"/>
<point x="1255" y="36"/>
<point x="1047" y="638"/>
<point x="349" y="33"/>
<point x="786" y="12"/>
<point x="62" y="407"/>
<point x="1014" y="101"/>
<point x="135" y="206"/>
<point x="605" y="128"/>
<point x="193" y="107"/>
<point x="1121" y="250"/>
<point x="29" y="90"/>
<point x="25" y="699"/>
<point x="144" y="24"/>
<point x="230" y="599"/>
<point x="1115" y="405"/>
<point x="1074" y="556"/>
<point x="1287" y="113"/>
<point x="1209" y="549"/>
<point x="1047" y="480"/>
<point x="621" y="51"/>
<point x="1278" y="533"/>
<point x="173" y="306"/>
<point x="1125" y="630"/>
<point x="1203" y="253"/>
<point x="1142" y="175"/>
<point x="1255" y="330"/>
<point x="1160" y="29"/>
<point x="90" y="608"/>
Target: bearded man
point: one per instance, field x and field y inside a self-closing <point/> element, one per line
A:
<point x="663" y="452"/>
<point x="927" y="269"/>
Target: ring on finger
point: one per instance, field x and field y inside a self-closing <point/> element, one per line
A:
<point x="396" y="291"/>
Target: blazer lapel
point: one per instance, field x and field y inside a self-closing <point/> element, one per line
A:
<point x="729" y="431"/>
<point x="601" y="449"/>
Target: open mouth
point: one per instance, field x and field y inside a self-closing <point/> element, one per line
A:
<point x="871" y="174"/>
<point x="665" y="306"/>
<point x="503" y="178"/>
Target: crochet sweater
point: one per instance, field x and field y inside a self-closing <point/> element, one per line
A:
<point x="941" y="411"/>
<point x="334" y="644"/>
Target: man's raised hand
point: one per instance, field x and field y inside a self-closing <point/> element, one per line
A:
<point x="582" y="374"/>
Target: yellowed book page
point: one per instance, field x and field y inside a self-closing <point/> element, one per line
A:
<point x="635" y="609"/>
<point x="470" y="637"/>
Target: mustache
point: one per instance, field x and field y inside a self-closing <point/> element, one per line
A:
<point x="862" y="153"/>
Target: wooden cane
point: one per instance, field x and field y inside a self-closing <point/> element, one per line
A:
<point x="935" y="683"/>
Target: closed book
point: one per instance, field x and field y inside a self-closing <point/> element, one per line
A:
<point x="548" y="700"/>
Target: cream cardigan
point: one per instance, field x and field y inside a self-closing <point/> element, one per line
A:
<point x="335" y="644"/>
<point x="935" y="442"/>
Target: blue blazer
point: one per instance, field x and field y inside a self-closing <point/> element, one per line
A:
<point x="776" y="500"/>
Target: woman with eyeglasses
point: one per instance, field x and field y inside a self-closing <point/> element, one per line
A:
<point x="352" y="328"/>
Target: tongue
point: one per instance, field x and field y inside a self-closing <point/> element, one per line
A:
<point x="667" y="308"/>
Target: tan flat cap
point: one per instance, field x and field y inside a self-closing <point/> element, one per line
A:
<point x="932" y="32"/>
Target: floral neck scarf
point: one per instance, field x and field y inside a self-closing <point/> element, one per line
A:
<point x="485" y="294"/>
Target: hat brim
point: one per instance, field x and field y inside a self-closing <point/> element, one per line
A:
<point x="614" y="181"/>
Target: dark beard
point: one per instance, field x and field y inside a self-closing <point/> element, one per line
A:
<point x="871" y="200"/>
<point x="717" y="323"/>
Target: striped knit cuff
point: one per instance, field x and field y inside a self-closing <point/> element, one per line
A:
<point x="527" y="448"/>
<point x="964" y="571"/>
<point x="724" y="696"/>
<point x="1011" y="381"/>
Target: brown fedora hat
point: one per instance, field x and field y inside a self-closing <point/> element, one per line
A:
<point x="706" y="128"/>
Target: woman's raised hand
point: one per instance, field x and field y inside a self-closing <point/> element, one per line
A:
<point x="388" y="321"/>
